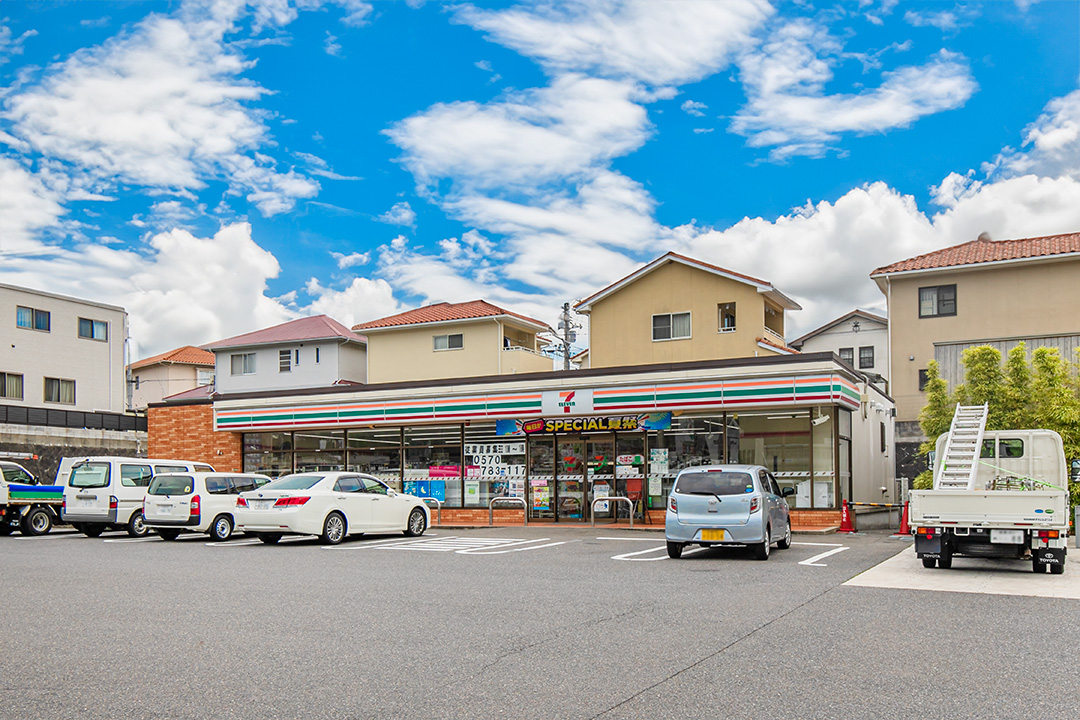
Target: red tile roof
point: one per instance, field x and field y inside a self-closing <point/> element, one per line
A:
<point x="187" y="355"/>
<point x="318" y="327"/>
<point x="778" y="346"/>
<point x="984" y="250"/>
<point x="445" y="312"/>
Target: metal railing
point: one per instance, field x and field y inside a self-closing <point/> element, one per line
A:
<point x="515" y="500"/>
<point x="438" y="505"/>
<point x="614" y="498"/>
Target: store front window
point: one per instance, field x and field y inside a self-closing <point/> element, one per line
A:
<point x="824" y="431"/>
<point x="319" y="450"/>
<point x="433" y="463"/>
<point x="630" y="470"/>
<point x="691" y="441"/>
<point x="269" y="453"/>
<point x="541" y="490"/>
<point x="494" y="466"/>
<point x="376" y="452"/>
<point x="779" y="440"/>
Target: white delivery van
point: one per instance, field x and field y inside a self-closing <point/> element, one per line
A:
<point x="108" y="492"/>
<point x="201" y="502"/>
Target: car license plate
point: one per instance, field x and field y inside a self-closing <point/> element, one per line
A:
<point x="84" y="503"/>
<point x="1007" y="537"/>
<point x="715" y="535"/>
<point x="261" y="504"/>
<point x="164" y="509"/>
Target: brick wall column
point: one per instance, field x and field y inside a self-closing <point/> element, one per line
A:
<point x="186" y="432"/>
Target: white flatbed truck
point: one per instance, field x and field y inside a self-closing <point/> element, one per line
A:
<point x="1014" y="502"/>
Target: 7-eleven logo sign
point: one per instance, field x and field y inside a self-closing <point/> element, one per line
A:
<point x="566" y="400"/>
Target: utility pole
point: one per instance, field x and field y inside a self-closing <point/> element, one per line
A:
<point x="567" y="326"/>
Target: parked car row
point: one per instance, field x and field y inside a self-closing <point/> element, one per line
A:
<point x="169" y="497"/>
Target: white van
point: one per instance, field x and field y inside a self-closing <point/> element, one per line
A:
<point x="196" y="502"/>
<point x="103" y="492"/>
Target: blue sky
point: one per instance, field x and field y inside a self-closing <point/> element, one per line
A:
<point x="217" y="166"/>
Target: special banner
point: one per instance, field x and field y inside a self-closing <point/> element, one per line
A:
<point x="549" y="426"/>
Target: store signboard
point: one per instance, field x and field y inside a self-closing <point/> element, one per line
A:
<point x="608" y="423"/>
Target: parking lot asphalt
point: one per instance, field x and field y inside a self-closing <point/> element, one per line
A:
<point x="534" y="622"/>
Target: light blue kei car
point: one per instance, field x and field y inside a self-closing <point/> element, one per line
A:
<point x="714" y="505"/>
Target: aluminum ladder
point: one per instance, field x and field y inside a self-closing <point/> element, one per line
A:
<point x="960" y="458"/>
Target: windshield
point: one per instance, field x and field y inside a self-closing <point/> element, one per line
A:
<point x="171" y="485"/>
<point x="715" y="483"/>
<point x="90" y="475"/>
<point x="293" y="482"/>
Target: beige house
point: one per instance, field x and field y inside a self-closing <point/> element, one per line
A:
<point x="450" y="340"/>
<point x="169" y="373"/>
<point x="977" y="293"/>
<point x="676" y="309"/>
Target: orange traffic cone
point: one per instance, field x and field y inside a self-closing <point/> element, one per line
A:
<point x="847" y="521"/>
<point x="905" y="529"/>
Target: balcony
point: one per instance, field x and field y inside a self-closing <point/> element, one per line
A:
<point x="517" y="359"/>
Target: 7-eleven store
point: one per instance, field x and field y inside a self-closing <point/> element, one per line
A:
<point x="560" y="439"/>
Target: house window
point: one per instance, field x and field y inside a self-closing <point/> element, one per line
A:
<point x="33" y="319"/>
<point x="11" y="386"/>
<point x="203" y="377"/>
<point x="59" y="391"/>
<point x="243" y="363"/>
<point x="935" y="301"/>
<point x="924" y="378"/>
<point x="284" y="360"/>
<point x="866" y="357"/>
<point x="449" y="342"/>
<point x="848" y="355"/>
<point x="317" y="355"/>
<point x="671" y="326"/>
<point x="884" y="443"/>
<point x="727" y="317"/>
<point x="93" y="329"/>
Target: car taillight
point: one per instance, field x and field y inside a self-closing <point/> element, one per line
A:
<point x="755" y="503"/>
<point x="113" y="502"/>
<point x="673" y="504"/>
<point x="1046" y="534"/>
<point x="63" y="504"/>
<point x="241" y="502"/>
<point x="290" y="501"/>
<point x="194" y="505"/>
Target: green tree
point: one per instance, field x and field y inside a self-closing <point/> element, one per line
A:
<point x="983" y="383"/>
<point x="1016" y="393"/>
<point x="935" y="418"/>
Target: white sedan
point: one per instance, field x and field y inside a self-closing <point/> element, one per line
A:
<point x="330" y="505"/>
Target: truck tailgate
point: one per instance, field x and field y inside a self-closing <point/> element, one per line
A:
<point x="1038" y="508"/>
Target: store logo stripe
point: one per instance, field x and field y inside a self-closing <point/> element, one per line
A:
<point x="758" y="383"/>
<point x="608" y="401"/>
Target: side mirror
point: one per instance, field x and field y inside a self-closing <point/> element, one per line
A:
<point x="787" y="492"/>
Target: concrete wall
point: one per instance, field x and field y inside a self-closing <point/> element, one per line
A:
<point x="96" y="366"/>
<point x="620" y="325"/>
<point x="1029" y="299"/>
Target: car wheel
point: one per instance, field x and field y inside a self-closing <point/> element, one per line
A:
<point x="36" y="522"/>
<point x="136" y="526"/>
<point x="333" y="529"/>
<point x="269" y="538"/>
<point x="168" y="534"/>
<point x="1057" y="569"/>
<point x="929" y="562"/>
<point x="92" y="529"/>
<point x="221" y="529"/>
<point x="785" y="542"/>
<point x="674" y="550"/>
<point x="762" y="549"/>
<point x="417" y="523"/>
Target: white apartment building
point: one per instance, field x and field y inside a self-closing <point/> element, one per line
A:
<point x="61" y="353"/>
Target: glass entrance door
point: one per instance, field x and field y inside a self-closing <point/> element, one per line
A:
<point x="570" y="478"/>
<point x="600" y="457"/>
<point x="541" y="496"/>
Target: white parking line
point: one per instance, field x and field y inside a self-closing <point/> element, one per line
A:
<point x="819" y="544"/>
<point x="132" y="540"/>
<point x="630" y="557"/>
<point x="811" y="561"/>
<point x="489" y="551"/>
<point x="50" y="536"/>
<point x="376" y="544"/>
<point x="233" y="543"/>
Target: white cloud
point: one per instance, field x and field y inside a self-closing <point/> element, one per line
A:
<point x="646" y="41"/>
<point x="401" y="214"/>
<point x="362" y="300"/>
<point x="1051" y="144"/>
<point x="703" y="131"/>
<point x="351" y="260"/>
<point x="690" y="107"/>
<point x="163" y="106"/>
<point x="527" y="139"/>
<point x="789" y="110"/>
<point x="944" y="20"/>
<point x="11" y="45"/>
<point x="27" y="206"/>
<point x="331" y="46"/>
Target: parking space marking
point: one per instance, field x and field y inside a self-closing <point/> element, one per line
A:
<point x="131" y="540"/>
<point x="516" y="546"/>
<point x="234" y="543"/>
<point x="452" y="544"/>
<point x="50" y="536"/>
<point x="822" y="556"/>
<point x="819" y="544"/>
<point x="376" y="544"/>
<point x="630" y="556"/>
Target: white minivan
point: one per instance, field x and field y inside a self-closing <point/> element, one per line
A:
<point x="104" y="492"/>
<point x="201" y="502"/>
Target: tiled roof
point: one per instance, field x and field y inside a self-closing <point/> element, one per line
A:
<point x="201" y="392"/>
<point x="778" y="346"/>
<point x="187" y="355"/>
<point x="445" y="312"/>
<point x="984" y="250"/>
<point x="318" y="327"/>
